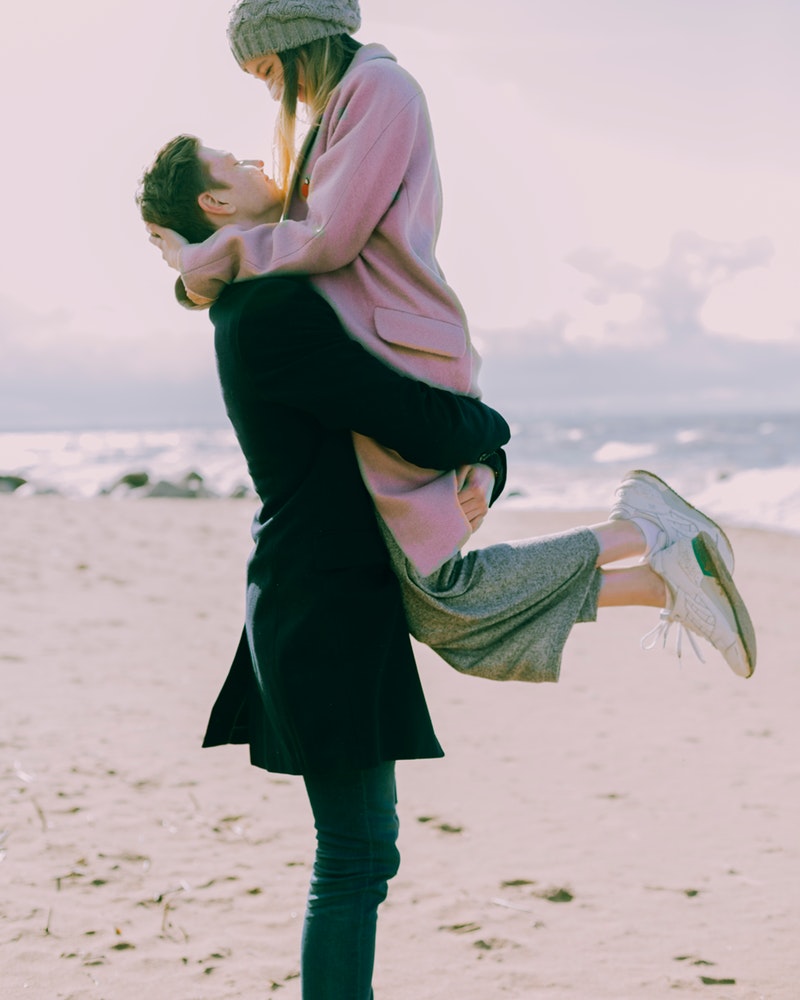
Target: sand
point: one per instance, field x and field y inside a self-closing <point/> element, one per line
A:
<point x="623" y="835"/>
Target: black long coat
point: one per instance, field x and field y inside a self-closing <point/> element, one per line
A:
<point x="324" y="676"/>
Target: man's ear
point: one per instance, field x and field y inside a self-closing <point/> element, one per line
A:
<point x="213" y="205"/>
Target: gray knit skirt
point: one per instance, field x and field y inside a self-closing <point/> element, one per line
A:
<point x="505" y="611"/>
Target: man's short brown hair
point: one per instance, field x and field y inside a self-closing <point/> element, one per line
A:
<point x="169" y="189"/>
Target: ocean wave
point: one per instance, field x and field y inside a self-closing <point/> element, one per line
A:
<point x="757" y="498"/>
<point x="743" y="469"/>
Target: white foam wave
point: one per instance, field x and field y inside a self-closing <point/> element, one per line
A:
<point x="623" y="451"/>
<point x="760" y="498"/>
<point x="756" y="498"/>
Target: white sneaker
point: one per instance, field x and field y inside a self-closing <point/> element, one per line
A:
<point x="642" y="494"/>
<point x="704" y="599"/>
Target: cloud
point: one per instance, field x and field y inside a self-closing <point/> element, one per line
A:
<point x="760" y="304"/>
<point x="642" y="339"/>
<point x="672" y="295"/>
<point x="94" y="343"/>
<point x="58" y="372"/>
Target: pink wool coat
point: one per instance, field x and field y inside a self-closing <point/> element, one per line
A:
<point x="366" y="234"/>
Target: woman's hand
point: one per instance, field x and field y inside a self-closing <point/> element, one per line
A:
<point x="168" y="242"/>
<point x="474" y="495"/>
<point x="198" y="300"/>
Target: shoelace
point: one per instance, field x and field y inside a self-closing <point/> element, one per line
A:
<point x="661" y="631"/>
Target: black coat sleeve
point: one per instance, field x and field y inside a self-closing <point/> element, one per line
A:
<point x="297" y="352"/>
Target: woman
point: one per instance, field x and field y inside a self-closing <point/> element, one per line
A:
<point x="361" y="219"/>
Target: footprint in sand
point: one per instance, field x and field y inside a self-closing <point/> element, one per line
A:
<point x="556" y="895"/>
<point x="444" y="827"/>
<point x="468" y="928"/>
<point x="494" y="944"/>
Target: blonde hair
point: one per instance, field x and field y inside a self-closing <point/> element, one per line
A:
<point x="324" y="63"/>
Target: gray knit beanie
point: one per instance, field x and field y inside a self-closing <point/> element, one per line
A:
<point x="261" y="27"/>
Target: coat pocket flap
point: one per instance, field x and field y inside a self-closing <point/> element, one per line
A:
<point x="420" y="333"/>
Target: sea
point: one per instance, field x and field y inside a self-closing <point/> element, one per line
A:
<point x="741" y="467"/>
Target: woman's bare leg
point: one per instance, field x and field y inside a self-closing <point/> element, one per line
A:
<point x="633" y="585"/>
<point x="618" y="540"/>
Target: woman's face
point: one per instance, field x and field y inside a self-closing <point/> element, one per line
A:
<point x="269" y="69"/>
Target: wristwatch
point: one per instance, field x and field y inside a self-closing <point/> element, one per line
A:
<point x="497" y="462"/>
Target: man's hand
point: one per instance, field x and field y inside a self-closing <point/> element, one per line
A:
<point x="474" y="495"/>
<point x="168" y="242"/>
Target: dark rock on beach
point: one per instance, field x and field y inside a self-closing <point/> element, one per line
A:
<point x="9" y="484"/>
<point x="190" y="487"/>
<point x="134" y="480"/>
<point x="130" y="481"/>
<point x="242" y="492"/>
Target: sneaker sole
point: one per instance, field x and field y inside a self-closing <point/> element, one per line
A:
<point x="712" y="564"/>
<point x="705" y="522"/>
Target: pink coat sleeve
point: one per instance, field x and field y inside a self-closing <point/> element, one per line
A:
<point x="368" y="136"/>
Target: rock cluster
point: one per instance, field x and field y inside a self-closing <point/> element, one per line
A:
<point x="191" y="486"/>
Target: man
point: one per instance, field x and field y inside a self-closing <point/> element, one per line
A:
<point x="324" y="682"/>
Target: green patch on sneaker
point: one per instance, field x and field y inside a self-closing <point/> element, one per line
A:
<point x="704" y="558"/>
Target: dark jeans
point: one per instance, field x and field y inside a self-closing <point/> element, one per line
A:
<point x="356" y="820"/>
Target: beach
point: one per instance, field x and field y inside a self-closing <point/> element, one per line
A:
<point x="630" y="833"/>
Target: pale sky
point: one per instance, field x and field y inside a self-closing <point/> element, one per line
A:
<point x="576" y="139"/>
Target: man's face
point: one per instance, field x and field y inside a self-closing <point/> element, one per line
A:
<point x="245" y="187"/>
